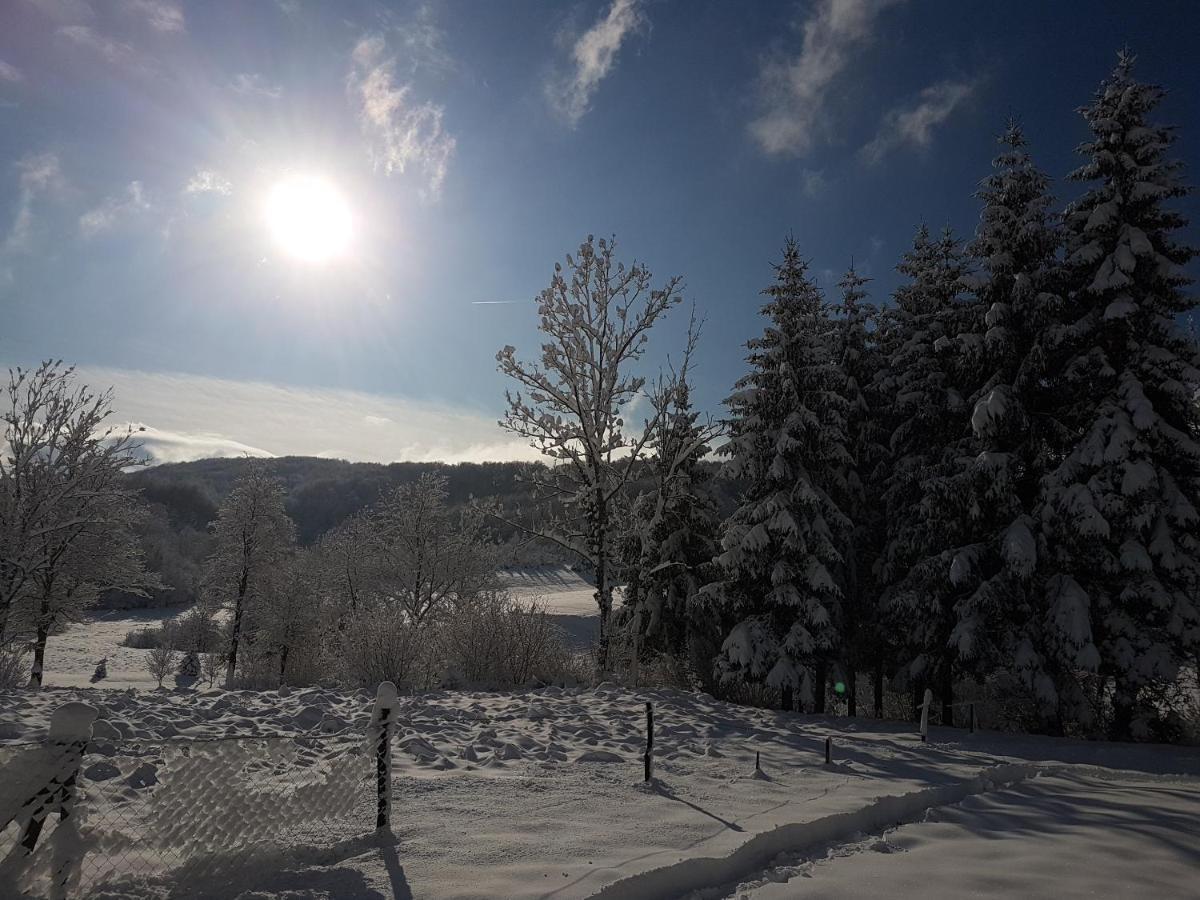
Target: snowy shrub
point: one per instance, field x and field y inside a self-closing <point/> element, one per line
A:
<point x="499" y="643"/>
<point x="145" y="638"/>
<point x="383" y="645"/>
<point x="160" y="662"/>
<point x="14" y="672"/>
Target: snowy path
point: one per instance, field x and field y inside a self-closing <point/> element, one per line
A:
<point x="1065" y="835"/>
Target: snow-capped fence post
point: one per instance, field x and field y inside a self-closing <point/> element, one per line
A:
<point x="926" y="703"/>
<point x="380" y="736"/>
<point x="829" y="751"/>
<point x="649" y="758"/>
<point x="70" y="730"/>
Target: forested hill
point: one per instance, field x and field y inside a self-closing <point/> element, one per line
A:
<point x="321" y="492"/>
<point x="182" y="501"/>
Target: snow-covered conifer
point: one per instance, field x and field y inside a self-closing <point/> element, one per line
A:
<point x="929" y="418"/>
<point x="781" y="563"/>
<point x="1122" y="508"/>
<point x="858" y="358"/>
<point x="1012" y="353"/>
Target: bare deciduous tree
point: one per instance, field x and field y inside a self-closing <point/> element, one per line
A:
<point x="252" y="535"/>
<point x="596" y="317"/>
<point x="65" y="513"/>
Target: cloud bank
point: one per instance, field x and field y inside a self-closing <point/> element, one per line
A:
<point x="193" y="417"/>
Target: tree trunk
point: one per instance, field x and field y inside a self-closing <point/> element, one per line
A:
<point x="787" y="699"/>
<point x="879" y="690"/>
<point x="1122" y="722"/>
<point x="283" y="655"/>
<point x="851" y="691"/>
<point x="39" y="655"/>
<point x="603" y="591"/>
<point x="947" y="695"/>
<point x="236" y="631"/>
<point x="819" y="687"/>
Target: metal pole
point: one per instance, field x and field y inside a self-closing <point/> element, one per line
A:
<point x="828" y="751"/>
<point x="971" y="717"/>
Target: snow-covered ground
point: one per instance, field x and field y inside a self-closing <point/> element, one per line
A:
<point x="540" y="794"/>
<point x="71" y="656"/>
<point x="568" y="598"/>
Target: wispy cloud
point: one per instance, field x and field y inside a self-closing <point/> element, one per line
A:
<point x="113" y="210"/>
<point x="913" y="124"/>
<point x="36" y="175"/>
<point x="196" y="416"/>
<point x="403" y="133"/>
<point x="593" y="54"/>
<point x="10" y="73"/>
<point x="161" y="15"/>
<point x="813" y="182"/>
<point x="794" y="89"/>
<point x="252" y="84"/>
<point x="206" y="181"/>
<point x="115" y="52"/>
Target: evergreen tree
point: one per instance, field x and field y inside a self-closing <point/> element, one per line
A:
<point x="781" y="563"/>
<point x="858" y="359"/>
<point x="1015" y="347"/>
<point x="1120" y="510"/>
<point x="923" y="384"/>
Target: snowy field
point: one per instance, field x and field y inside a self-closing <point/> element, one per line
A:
<point x="539" y="794"/>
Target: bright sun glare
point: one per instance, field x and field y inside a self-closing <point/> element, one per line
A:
<point x="309" y="218"/>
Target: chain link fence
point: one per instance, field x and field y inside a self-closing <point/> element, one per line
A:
<point x="128" y="818"/>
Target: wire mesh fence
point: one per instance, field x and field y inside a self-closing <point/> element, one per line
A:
<point x="119" y="818"/>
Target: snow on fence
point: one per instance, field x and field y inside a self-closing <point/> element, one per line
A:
<point x="88" y="811"/>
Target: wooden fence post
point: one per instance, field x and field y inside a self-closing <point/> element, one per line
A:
<point x="649" y="759"/>
<point x="971" y="717"/>
<point x="829" y="751"/>
<point x="382" y="717"/>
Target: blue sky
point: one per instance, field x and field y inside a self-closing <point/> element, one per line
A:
<point x="474" y="144"/>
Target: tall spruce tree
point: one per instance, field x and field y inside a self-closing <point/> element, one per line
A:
<point x="923" y="382"/>
<point x="1015" y="347"/>
<point x="781" y="561"/>
<point x="858" y="359"/>
<point x="1121" y="509"/>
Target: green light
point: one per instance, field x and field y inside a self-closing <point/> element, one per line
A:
<point x="839" y="687"/>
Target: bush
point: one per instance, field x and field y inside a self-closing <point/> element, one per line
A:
<point x="383" y="645"/>
<point x="14" y="671"/>
<point x="498" y="643"/>
<point x="196" y="630"/>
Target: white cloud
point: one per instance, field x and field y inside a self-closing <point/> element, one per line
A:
<point x="252" y="84"/>
<point x="403" y="133"/>
<point x="794" y="90"/>
<point x="206" y="181"/>
<point x="913" y="124"/>
<point x="193" y="416"/>
<point x="113" y="210"/>
<point x="9" y="72"/>
<point x="37" y="174"/>
<point x="111" y="51"/>
<point x="161" y="15"/>
<point x="159" y="446"/>
<point x="593" y="54"/>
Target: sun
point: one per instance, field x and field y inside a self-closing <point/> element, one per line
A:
<point x="309" y="219"/>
